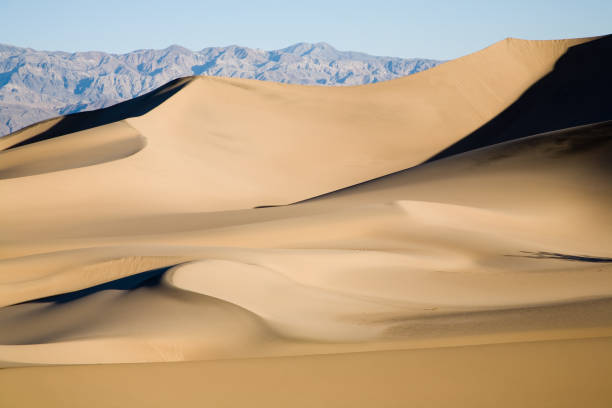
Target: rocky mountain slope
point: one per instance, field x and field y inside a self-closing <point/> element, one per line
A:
<point x="36" y="85"/>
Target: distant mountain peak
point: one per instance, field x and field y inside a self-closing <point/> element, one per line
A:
<point x="178" y="49"/>
<point x="303" y="48"/>
<point x="324" y="45"/>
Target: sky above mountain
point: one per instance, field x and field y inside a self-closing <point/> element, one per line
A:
<point x="438" y="29"/>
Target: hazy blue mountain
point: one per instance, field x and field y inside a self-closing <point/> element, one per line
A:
<point x="35" y="85"/>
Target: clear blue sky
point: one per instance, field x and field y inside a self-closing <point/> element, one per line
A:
<point x="441" y="29"/>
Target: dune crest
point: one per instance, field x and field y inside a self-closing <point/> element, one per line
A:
<point x="79" y="149"/>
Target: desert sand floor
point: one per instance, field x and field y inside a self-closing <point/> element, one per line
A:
<point x="565" y="373"/>
<point x="438" y="240"/>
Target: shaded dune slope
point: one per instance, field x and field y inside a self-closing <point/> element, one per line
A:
<point x="574" y="93"/>
<point x="82" y="121"/>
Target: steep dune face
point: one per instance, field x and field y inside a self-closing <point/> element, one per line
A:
<point x="77" y="122"/>
<point x="173" y="216"/>
<point x="573" y="93"/>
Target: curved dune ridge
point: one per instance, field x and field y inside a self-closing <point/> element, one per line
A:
<point x="78" y="149"/>
<point x="467" y="205"/>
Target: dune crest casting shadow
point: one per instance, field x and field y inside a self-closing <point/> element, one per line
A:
<point x="79" y="149"/>
<point x="86" y="120"/>
<point x="576" y="92"/>
<point x="551" y="145"/>
<point x="131" y="282"/>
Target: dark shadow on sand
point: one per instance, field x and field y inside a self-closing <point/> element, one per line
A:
<point x="576" y="92"/>
<point x="553" y="144"/>
<point x="148" y="278"/>
<point x="86" y="120"/>
<point x="564" y="257"/>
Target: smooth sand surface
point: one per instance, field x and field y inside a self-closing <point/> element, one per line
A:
<point x="568" y="373"/>
<point x="288" y="243"/>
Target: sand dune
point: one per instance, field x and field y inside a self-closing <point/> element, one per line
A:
<point x="400" y="259"/>
<point x="219" y="218"/>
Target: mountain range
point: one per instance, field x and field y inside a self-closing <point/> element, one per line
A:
<point x="36" y="85"/>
